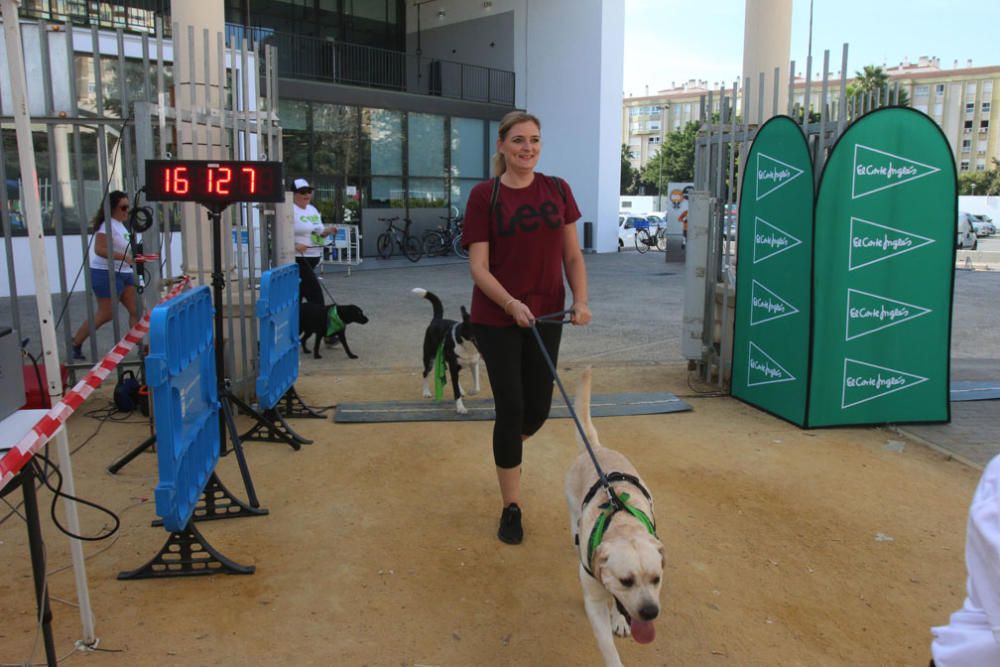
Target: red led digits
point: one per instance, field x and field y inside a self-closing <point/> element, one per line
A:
<point x="215" y="181"/>
<point x="176" y="183"/>
<point x="222" y="177"/>
<point x="251" y="181"/>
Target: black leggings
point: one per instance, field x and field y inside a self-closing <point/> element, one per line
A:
<point x="521" y="383"/>
<point x="309" y="288"/>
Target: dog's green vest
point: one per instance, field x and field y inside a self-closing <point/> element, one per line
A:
<point x="334" y="325"/>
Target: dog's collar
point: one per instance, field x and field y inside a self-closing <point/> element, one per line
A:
<point x="610" y="509"/>
<point x="334" y="325"/>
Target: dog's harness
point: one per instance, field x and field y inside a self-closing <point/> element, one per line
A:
<point x="334" y="325"/>
<point x="611" y="508"/>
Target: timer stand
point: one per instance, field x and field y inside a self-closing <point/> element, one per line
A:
<point x="215" y="184"/>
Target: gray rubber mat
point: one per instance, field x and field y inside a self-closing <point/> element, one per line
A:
<point x="601" y="405"/>
<point x="968" y="390"/>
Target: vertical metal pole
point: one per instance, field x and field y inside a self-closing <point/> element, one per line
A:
<point x="36" y="547"/>
<point x="841" y="120"/>
<point x="777" y="85"/>
<point x="807" y="99"/>
<point x="820" y="159"/>
<point x="760" y="98"/>
<point x="105" y="175"/>
<point x="43" y="295"/>
<point x="791" y="88"/>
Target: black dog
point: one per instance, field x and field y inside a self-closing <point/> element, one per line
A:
<point x="316" y="320"/>
<point x="459" y="345"/>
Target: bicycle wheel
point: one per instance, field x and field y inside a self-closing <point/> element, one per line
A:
<point x="434" y="243"/>
<point x="642" y="240"/>
<point x="661" y="239"/>
<point x="412" y="249"/>
<point x="459" y="249"/>
<point x="384" y="245"/>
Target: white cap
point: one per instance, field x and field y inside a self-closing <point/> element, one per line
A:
<point x="300" y="183"/>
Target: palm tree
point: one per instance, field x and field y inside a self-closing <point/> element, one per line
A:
<point x="873" y="78"/>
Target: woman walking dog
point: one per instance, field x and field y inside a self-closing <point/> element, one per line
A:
<point x="520" y="229"/>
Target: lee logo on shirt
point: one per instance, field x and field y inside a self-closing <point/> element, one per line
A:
<point x="527" y="219"/>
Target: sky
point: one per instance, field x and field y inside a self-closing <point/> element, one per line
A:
<point x="676" y="40"/>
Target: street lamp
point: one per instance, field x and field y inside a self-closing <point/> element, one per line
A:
<point x="973" y="186"/>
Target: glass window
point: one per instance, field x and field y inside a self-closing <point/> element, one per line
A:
<point x="980" y="165"/>
<point x="468" y="157"/>
<point x="964" y="165"/>
<point x="111" y="88"/>
<point x="970" y="107"/>
<point x="986" y="107"/>
<point x="987" y="88"/>
<point x="294" y="115"/>
<point x="966" y="145"/>
<point x="383" y="130"/>
<point x="922" y="91"/>
<point x="984" y="125"/>
<point x="938" y="109"/>
<point x="970" y="89"/>
<point x="939" y="89"/>
<point x="426" y="160"/>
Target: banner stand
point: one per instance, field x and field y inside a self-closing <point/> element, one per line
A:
<point x="177" y="558"/>
<point x="294" y="406"/>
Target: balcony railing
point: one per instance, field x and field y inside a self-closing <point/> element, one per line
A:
<point x="301" y="57"/>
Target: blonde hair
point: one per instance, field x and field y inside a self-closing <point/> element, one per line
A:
<point x="512" y="118"/>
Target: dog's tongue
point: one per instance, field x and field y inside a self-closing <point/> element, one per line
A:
<point x="643" y="631"/>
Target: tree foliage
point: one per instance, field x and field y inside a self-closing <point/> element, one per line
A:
<point x="873" y="78"/>
<point x="629" y="173"/>
<point x="674" y="161"/>
<point x="985" y="182"/>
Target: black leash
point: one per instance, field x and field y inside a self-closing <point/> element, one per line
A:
<point x="558" y="318"/>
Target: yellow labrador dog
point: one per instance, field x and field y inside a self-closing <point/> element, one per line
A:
<point x="621" y="559"/>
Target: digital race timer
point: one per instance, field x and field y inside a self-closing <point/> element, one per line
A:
<point x="208" y="181"/>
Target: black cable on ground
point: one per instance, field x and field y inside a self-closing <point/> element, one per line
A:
<point x="57" y="491"/>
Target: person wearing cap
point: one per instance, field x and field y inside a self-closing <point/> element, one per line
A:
<point x="309" y="241"/>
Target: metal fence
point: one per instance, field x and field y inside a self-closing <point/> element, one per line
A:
<point x="723" y="142"/>
<point x="95" y="122"/>
<point x="358" y="65"/>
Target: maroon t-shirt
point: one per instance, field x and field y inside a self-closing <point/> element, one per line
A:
<point x="525" y="235"/>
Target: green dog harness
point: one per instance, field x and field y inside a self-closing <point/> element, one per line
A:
<point x="334" y="325"/>
<point x="609" y="511"/>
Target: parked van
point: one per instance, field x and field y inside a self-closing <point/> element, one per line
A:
<point x="966" y="239"/>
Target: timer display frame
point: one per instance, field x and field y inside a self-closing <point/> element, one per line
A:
<point x="215" y="181"/>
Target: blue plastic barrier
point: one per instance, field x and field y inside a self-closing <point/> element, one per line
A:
<point x="180" y="371"/>
<point x="278" y="314"/>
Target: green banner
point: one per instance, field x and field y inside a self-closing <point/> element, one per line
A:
<point x="884" y="268"/>
<point x="774" y="259"/>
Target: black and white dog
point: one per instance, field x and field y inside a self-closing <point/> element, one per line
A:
<point x="316" y="320"/>
<point x="459" y="347"/>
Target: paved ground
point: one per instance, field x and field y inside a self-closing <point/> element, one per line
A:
<point x="784" y="547"/>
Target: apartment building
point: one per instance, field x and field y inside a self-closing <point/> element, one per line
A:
<point x="962" y="100"/>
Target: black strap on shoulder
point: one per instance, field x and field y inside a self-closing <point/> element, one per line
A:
<point x="495" y="194"/>
<point x="557" y="182"/>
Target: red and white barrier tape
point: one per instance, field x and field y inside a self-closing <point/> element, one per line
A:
<point x="40" y="433"/>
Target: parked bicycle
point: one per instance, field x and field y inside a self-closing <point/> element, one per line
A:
<point x="441" y="241"/>
<point x="394" y="237"/>
<point x="456" y="243"/>
<point x="644" y="239"/>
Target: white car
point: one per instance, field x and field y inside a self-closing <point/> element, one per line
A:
<point x="983" y="225"/>
<point x="626" y="229"/>
<point x="966" y="239"/>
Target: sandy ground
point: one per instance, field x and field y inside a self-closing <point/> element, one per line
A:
<point x="784" y="547"/>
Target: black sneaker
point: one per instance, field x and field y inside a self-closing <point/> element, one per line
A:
<point x="510" y="530"/>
